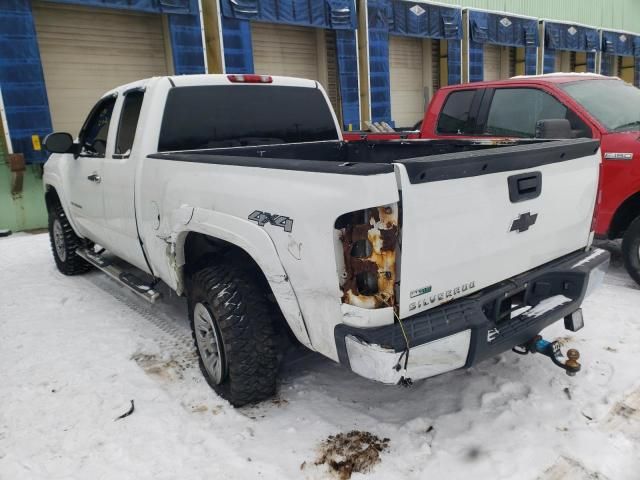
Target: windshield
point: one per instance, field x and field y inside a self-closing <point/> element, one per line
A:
<point x="614" y="103"/>
<point x="218" y="116"/>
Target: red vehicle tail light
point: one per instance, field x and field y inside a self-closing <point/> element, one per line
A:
<point x="251" y="78"/>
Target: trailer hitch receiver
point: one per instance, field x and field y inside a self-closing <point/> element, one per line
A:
<point x="552" y="350"/>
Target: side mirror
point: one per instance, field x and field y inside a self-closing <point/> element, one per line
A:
<point x="58" y="142"/>
<point x="554" y="128"/>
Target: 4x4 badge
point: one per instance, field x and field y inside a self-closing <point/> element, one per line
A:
<point x="262" y="218"/>
<point x="523" y="222"/>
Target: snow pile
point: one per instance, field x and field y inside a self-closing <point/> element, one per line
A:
<point x="76" y="350"/>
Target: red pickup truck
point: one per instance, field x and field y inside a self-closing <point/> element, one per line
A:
<point x="556" y="105"/>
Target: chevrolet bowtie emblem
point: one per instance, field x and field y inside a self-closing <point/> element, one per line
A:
<point x="523" y="222"/>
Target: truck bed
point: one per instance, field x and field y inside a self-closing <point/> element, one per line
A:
<point x="472" y="213"/>
<point x="467" y="157"/>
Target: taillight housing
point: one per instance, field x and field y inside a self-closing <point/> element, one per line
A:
<point x="367" y="256"/>
<point x="250" y="78"/>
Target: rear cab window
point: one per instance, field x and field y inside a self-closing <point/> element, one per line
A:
<point x="455" y="118"/>
<point x="218" y="116"/>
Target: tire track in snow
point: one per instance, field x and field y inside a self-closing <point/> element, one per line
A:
<point x="172" y="332"/>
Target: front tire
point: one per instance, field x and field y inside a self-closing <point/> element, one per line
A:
<point x="233" y="330"/>
<point x="64" y="243"/>
<point x="631" y="250"/>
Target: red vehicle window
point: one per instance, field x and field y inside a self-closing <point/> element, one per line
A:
<point x="514" y="112"/>
<point x="455" y="117"/>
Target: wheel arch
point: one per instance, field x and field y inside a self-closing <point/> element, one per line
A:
<point x="197" y="246"/>
<point x="626" y="213"/>
<point x="53" y="195"/>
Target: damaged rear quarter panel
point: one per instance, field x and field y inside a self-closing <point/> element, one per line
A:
<point x="307" y="254"/>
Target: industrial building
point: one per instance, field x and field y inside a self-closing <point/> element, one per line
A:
<point x="379" y="60"/>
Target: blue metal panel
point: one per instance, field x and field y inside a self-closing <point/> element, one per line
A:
<point x="530" y="60"/>
<point x="333" y="14"/>
<point x="186" y="44"/>
<point x="152" y="6"/>
<point x="562" y="36"/>
<point x="380" y="85"/>
<point x="454" y="62"/>
<point x="616" y="43"/>
<point x="379" y="13"/>
<point x="549" y="65"/>
<point x="503" y="29"/>
<point x="591" y="62"/>
<point x="238" y="51"/>
<point x="22" y="79"/>
<point x="476" y="61"/>
<point x="348" y="78"/>
<point x="425" y="20"/>
<point x="606" y="62"/>
<point x="636" y="65"/>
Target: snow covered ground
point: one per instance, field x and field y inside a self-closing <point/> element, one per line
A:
<point x="75" y="351"/>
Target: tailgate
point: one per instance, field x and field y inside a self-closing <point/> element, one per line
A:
<point x="472" y="219"/>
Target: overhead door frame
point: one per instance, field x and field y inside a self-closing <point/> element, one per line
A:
<point x="26" y="103"/>
<point x="560" y="38"/>
<point x="499" y="28"/>
<point x="384" y="20"/>
<point x="324" y="14"/>
<point x="620" y="43"/>
<point x="114" y="46"/>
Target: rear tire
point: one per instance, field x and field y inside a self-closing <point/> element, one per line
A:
<point x="233" y="330"/>
<point x="64" y="243"/>
<point x="631" y="250"/>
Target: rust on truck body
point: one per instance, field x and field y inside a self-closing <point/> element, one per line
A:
<point x="370" y="249"/>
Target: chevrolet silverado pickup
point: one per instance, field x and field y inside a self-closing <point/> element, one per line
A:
<point x="400" y="261"/>
<point x="589" y="105"/>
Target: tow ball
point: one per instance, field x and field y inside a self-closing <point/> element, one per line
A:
<point x="552" y="350"/>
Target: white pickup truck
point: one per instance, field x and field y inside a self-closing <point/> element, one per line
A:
<point x="400" y="260"/>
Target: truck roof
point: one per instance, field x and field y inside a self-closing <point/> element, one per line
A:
<point x="214" y="79"/>
<point x="558" y="77"/>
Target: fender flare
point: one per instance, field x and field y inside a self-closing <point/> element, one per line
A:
<point x="258" y="245"/>
<point x="52" y="182"/>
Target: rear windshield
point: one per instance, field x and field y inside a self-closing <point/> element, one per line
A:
<point x="614" y="103"/>
<point x="217" y="116"/>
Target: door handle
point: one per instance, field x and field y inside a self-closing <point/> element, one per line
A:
<point x="94" y="177"/>
<point x="525" y="186"/>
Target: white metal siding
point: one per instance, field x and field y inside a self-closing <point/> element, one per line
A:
<point x="296" y="52"/>
<point x="88" y="51"/>
<point x="284" y="50"/>
<point x="407" y="82"/>
<point x="492" y="61"/>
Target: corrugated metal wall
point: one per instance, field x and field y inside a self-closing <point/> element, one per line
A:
<point x="611" y="14"/>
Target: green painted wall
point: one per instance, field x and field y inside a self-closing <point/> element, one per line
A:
<point x="25" y="210"/>
<point x="609" y="14"/>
